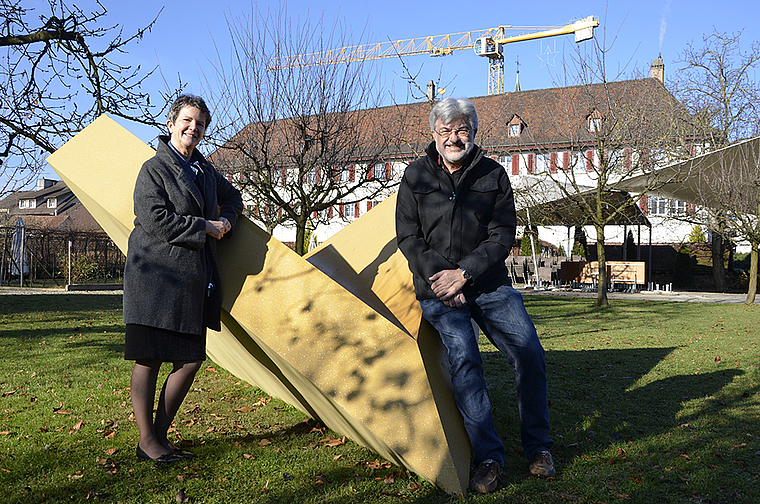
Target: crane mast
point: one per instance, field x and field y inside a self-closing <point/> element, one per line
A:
<point x="486" y="43"/>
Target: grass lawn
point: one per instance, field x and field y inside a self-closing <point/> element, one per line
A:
<point x="651" y="402"/>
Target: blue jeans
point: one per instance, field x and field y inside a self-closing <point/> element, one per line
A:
<point x="502" y="317"/>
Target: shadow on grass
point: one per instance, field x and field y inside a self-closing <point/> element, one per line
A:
<point x="600" y="398"/>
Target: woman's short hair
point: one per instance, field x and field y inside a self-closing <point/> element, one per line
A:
<point x="452" y="108"/>
<point x="183" y="101"/>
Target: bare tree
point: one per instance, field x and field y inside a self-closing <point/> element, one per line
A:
<point x="60" y="72"/>
<point x="304" y="142"/>
<point x="598" y="132"/>
<point x="717" y="83"/>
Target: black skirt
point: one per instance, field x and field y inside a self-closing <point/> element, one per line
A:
<point x="145" y="342"/>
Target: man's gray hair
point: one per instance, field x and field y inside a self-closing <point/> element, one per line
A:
<point x="452" y="108"/>
<point x="183" y="101"/>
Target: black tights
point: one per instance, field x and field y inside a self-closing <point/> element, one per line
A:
<point x="153" y="439"/>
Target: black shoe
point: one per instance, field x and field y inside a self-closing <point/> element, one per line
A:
<point x="541" y="464"/>
<point x="166" y="458"/>
<point x="182" y="453"/>
<point x="487" y="477"/>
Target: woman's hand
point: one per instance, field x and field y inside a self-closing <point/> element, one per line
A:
<point x="217" y="228"/>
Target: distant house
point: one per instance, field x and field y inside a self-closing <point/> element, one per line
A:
<point x="51" y="206"/>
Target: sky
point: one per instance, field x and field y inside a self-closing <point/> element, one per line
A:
<point x="188" y="34"/>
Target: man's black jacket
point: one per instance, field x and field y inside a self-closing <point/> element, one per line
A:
<point x="442" y="226"/>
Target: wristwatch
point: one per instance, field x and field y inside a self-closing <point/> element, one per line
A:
<point x="466" y="275"/>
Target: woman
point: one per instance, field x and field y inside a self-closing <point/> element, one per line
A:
<point x="171" y="282"/>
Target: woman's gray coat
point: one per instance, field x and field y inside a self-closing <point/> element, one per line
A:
<point x="170" y="260"/>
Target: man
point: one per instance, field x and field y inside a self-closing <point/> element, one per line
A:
<point x="455" y="224"/>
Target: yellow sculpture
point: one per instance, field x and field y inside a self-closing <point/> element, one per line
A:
<point x="337" y="334"/>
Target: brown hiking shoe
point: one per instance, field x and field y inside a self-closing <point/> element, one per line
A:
<point x="487" y="477"/>
<point x="541" y="464"/>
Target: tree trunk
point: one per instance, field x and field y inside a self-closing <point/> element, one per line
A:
<point x="298" y="246"/>
<point x="752" y="290"/>
<point x="601" y="295"/>
<point x="718" y="271"/>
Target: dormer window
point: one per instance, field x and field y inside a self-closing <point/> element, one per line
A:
<point x="52" y="202"/>
<point x="594" y="121"/>
<point x="515" y="126"/>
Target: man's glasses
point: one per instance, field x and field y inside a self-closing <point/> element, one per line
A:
<point x="462" y="133"/>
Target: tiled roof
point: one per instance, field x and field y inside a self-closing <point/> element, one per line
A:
<point x="553" y="118"/>
<point x="67" y="215"/>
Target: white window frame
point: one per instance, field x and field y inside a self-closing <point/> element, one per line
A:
<point x="542" y="163"/>
<point x="349" y="210"/>
<point x="506" y="162"/>
<point x="658" y="206"/>
<point x="345" y="175"/>
<point x="378" y="172"/>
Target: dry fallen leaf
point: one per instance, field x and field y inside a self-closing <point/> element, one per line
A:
<point x="180" y="497"/>
<point x="78" y="425"/>
<point x="333" y="441"/>
<point x="243" y="408"/>
<point x="376" y="464"/>
<point x="264" y="442"/>
<point x="248" y="456"/>
<point x="414" y="486"/>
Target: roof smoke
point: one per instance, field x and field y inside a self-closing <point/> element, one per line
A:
<point x="663" y="22"/>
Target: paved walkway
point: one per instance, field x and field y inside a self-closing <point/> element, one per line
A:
<point x="24" y="291"/>
<point x="674" y="296"/>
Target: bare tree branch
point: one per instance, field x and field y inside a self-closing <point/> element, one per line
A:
<point x="59" y="73"/>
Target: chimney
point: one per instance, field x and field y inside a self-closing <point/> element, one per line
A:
<point x="44" y="183"/>
<point x="657" y="70"/>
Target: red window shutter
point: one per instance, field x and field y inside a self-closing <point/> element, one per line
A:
<point x="341" y="211"/>
<point x="279" y="213"/>
<point x="644" y="204"/>
<point x="628" y="159"/>
<point x="515" y="164"/>
<point x="387" y="171"/>
<point x="553" y="162"/>
<point x="531" y="161"/>
<point x="351" y="171"/>
<point x="356" y="210"/>
<point x="317" y="175"/>
<point x="330" y="213"/>
<point x="369" y="206"/>
<point x="565" y="160"/>
<point x="589" y="160"/>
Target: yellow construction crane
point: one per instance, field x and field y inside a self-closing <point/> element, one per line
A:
<point x="486" y="43"/>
